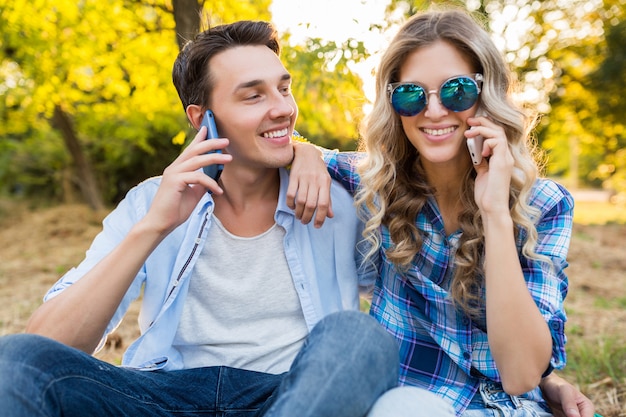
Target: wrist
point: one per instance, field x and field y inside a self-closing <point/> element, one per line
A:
<point x="148" y="229"/>
<point x="499" y="221"/>
<point x="303" y="147"/>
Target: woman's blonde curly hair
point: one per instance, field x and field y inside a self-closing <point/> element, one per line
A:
<point x="393" y="185"/>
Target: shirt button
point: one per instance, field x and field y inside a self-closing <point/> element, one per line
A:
<point x="466" y="356"/>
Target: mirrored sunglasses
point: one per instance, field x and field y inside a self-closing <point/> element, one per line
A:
<point x="456" y="94"/>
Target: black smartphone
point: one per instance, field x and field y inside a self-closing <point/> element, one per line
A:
<point x="213" y="171"/>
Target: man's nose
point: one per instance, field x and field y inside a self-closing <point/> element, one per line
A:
<point x="282" y="106"/>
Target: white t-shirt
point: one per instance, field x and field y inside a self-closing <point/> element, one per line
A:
<point x="242" y="309"/>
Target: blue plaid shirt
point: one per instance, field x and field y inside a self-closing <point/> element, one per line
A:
<point x="441" y="349"/>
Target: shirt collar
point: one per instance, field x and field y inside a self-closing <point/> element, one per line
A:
<point x="282" y="194"/>
<point x="207" y="200"/>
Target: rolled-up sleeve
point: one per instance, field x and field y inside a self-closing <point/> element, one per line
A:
<point x="547" y="281"/>
<point x="115" y="227"/>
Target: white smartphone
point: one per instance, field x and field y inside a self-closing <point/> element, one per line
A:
<point x="475" y="144"/>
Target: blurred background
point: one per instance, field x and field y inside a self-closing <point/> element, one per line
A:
<point x="88" y="109"/>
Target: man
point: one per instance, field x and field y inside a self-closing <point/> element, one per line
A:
<point x="246" y="311"/>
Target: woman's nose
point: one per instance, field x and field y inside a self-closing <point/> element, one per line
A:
<point x="434" y="108"/>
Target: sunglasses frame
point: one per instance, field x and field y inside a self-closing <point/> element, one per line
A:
<point x="477" y="78"/>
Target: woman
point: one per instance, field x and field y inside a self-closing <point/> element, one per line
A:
<point x="471" y="256"/>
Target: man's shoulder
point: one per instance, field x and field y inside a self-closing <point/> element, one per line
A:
<point x="149" y="185"/>
<point x="340" y="196"/>
<point x="143" y="192"/>
<point x="337" y="189"/>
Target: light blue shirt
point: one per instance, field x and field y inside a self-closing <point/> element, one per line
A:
<point x="325" y="266"/>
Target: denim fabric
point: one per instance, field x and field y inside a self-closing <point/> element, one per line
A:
<point x="492" y="401"/>
<point x="408" y="401"/>
<point x="346" y="363"/>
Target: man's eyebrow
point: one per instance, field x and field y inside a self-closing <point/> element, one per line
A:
<point x="249" y="84"/>
<point x="254" y="83"/>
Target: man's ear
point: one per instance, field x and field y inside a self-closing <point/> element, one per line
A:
<point x="195" y="115"/>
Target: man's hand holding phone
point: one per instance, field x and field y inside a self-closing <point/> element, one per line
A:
<point x="183" y="183"/>
<point x="214" y="171"/>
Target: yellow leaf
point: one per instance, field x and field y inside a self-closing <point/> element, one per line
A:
<point x="180" y="137"/>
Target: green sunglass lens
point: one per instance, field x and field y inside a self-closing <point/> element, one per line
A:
<point x="459" y="93"/>
<point x="408" y="99"/>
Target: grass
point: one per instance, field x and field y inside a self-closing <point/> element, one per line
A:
<point x="598" y="365"/>
<point x="597" y="360"/>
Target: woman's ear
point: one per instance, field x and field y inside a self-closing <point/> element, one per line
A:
<point x="194" y="114"/>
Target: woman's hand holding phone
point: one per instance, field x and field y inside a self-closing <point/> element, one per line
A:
<point x="475" y="144"/>
<point x="493" y="179"/>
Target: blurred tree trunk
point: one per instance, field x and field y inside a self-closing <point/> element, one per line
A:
<point x="187" y="19"/>
<point x="187" y="15"/>
<point x="84" y="171"/>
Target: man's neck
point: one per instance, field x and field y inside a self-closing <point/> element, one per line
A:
<point x="247" y="206"/>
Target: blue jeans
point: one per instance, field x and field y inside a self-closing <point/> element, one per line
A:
<point x="346" y="363"/>
<point x="492" y="401"/>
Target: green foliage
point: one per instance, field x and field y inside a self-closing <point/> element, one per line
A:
<point x="107" y="65"/>
<point x="575" y="55"/>
<point x="608" y="79"/>
<point x="223" y="11"/>
<point x="38" y="161"/>
<point x="103" y="64"/>
<point x="610" y="73"/>
<point x="329" y="95"/>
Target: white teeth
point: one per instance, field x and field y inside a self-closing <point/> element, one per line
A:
<point x="438" y="132"/>
<point x="276" y="133"/>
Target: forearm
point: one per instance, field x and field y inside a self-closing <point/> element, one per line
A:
<point x="519" y="337"/>
<point x="79" y="315"/>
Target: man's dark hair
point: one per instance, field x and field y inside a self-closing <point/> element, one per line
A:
<point x="191" y="74"/>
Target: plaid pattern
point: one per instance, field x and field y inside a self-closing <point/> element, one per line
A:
<point x="441" y="349"/>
